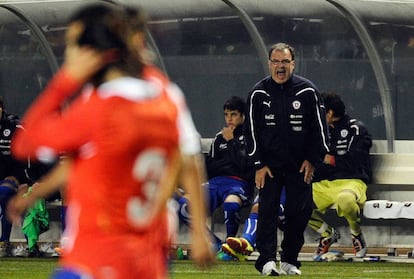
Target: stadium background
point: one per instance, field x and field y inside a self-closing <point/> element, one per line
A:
<point x="363" y="49"/>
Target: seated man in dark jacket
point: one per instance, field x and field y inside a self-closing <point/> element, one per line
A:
<point x="342" y="177"/>
<point x="12" y="174"/>
<point x="230" y="177"/>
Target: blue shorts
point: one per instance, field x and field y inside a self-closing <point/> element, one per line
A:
<point x="64" y="273"/>
<point x="5" y="195"/>
<point x="218" y="188"/>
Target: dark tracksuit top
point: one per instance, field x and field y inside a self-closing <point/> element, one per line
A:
<point x="285" y="124"/>
<point x="229" y="158"/>
<point x="25" y="171"/>
<point x="9" y="166"/>
<point x="350" y="144"/>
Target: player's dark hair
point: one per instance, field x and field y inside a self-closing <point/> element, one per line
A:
<point x="106" y="29"/>
<point x="334" y="102"/>
<point x="100" y="28"/>
<point x="137" y="18"/>
<point x="235" y="103"/>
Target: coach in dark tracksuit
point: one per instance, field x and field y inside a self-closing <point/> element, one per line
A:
<point x="286" y="134"/>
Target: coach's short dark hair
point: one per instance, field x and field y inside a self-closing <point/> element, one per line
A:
<point x="281" y="47"/>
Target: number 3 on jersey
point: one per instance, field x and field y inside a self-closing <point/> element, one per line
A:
<point x="148" y="169"/>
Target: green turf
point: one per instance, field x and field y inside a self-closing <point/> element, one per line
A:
<point x="317" y="270"/>
<point x="21" y="268"/>
<point x="26" y="268"/>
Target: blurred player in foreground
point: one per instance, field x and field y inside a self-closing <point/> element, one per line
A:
<point x="192" y="173"/>
<point x="118" y="124"/>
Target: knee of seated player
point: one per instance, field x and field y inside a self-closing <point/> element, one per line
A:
<point x="255" y="208"/>
<point x="347" y="202"/>
<point x="233" y="198"/>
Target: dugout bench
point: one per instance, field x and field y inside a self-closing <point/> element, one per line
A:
<point x="393" y="181"/>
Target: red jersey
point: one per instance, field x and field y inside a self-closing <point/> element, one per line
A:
<point x="190" y="143"/>
<point x="121" y="136"/>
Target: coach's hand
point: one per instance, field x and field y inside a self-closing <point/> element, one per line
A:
<point x="260" y="177"/>
<point x="307" y="168"/>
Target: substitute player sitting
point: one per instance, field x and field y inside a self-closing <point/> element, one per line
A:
<point x="230" y="176"/>
<point x="342" y="177"/>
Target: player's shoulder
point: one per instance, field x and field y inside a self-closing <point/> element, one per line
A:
<point x="355" y="122"/>
<point x="304" y="83"/>
<point x="152" y="73"/>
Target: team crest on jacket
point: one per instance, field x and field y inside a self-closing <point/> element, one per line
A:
<point x="6" y="132"/>
<point x="296" y="104"/>
<point x="344" y="133"/>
